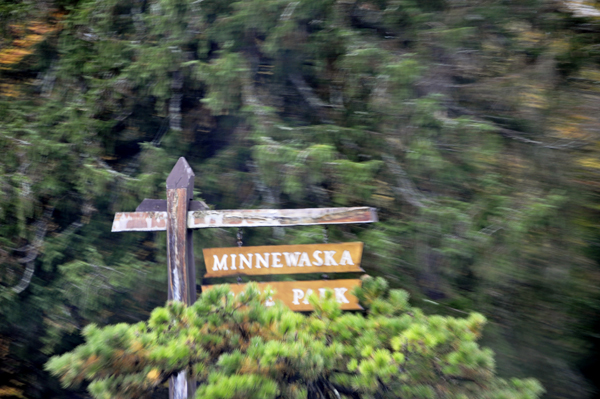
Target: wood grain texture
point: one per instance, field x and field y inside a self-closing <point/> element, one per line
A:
<point x="139" y="221"/>
<point x="280" y="217"/>
<point x="178" y="247"/>
<point x="283" y="259"/>
<point x="294" y="294"/>
<point x="181" y="270"/>
<point x="202" y="219"/>
<point x="159" y="205"/>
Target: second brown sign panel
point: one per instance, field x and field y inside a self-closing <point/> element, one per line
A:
<point x="295" y="294"/>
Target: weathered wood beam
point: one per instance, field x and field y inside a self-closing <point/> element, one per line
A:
<point x="156" y="221"/>
<point x="140" y="221"/>
<point x="182" y="279"/>
<point x="182" y="273"/>
<point x="280" y="217"/>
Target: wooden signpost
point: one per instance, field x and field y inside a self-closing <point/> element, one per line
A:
<point x="179" y="214"/>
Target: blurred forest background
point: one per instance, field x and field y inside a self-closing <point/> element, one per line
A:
<point x="472" y="125"/>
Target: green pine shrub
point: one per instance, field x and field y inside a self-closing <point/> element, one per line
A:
<point x="235" y="347"/>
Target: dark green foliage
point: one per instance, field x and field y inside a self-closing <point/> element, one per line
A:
<point x="464" y="123"/>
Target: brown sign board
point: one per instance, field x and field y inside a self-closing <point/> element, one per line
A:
<point x="283" y="259"/>
<point x="154" y="219"/>
<point x="294" y="294"/>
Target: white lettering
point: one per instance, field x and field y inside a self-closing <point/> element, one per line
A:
<point x="322" y="292"/>
<point x="262" y="261"/>
<point x="220" y="265"/>
<point x="233" y="256"/>
<point x="317" y="256"/>
<point x="339" y="295"/>
<point x="308" y="293"/>
<point x="304" y="261"/>
<point x="329" y="261"/>
<point x="275" y="259"/>
<point x="297" y="295"/>
<point x="346" y="258"/>
<point x="291" y="258"/>
<point x="270" y="301"/>
<point x="244" y="261"/>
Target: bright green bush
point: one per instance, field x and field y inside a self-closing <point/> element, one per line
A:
<point x="235" y="347"/>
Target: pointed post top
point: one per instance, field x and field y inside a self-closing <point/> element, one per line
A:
<point x="182" y="176"/>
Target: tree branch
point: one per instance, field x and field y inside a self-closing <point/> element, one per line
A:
<point x="405" y="187"/>
<point x="175" y="101"/>
<point x="33" y="251"/>
<point x="515" y="135"/>
<point x="345" y="390"/>
<point x="565" y="145"/>
<point x="306" y="91"/>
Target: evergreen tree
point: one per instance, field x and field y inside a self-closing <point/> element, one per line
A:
<point x="470" y="125"/>
<point x="235" y="347"/>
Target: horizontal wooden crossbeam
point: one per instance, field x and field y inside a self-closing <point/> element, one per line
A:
<point x="200" y="219"/>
